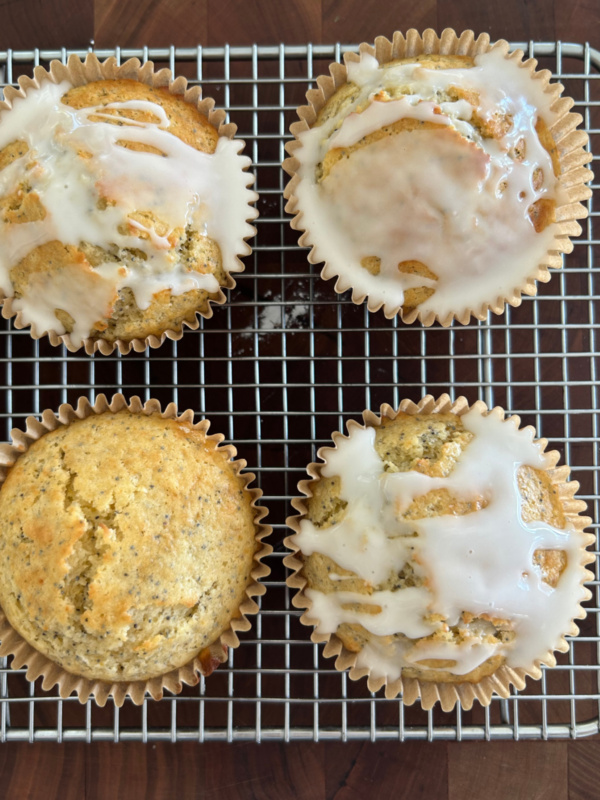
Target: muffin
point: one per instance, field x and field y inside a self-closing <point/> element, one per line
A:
<point x="130" y="549"/>
<point x="124" y="205"/>
<point x="440" y="552"/>
<point x="438" y="177"/>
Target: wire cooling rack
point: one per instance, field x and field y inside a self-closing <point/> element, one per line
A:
<point x="281" y="366"/>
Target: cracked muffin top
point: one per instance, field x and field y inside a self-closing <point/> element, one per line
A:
<point x="126" y="545"/>
<point x="122" y="209"/>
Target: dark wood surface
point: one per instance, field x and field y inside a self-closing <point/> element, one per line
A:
<point x="305" y="771"/>
<point x="456" y="771"/>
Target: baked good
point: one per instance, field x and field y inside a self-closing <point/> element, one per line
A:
<point x="440" y="552"/>
<point x="129" y="545"/>
<point x="438" y="177"/>
<point x="124" y="204"/>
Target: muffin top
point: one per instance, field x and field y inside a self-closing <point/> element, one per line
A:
<point x="126" y="545"/>
<point x="431" y="182"/>
<point x="117" y="200"/>
<point x="437" y="546"/>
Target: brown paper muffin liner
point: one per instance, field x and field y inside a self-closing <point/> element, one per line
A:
<point x="38" y="665"/>
<point x="413" y="689"/>
<point x="78" y="73"/>
<point x="569" y="141"/>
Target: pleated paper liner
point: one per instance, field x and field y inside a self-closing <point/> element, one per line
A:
<point x="38" y="665"/>
<point x="79" y="73"/>
<point x="413" y="689"/>
<point x="569" y="141"/>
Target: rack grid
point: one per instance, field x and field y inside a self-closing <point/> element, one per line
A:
<point x="278" y="368"/>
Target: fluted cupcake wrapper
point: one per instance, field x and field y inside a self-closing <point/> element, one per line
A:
<point x="413" y="689"/>
<point x="38" y="665"/>
<point x="569" y="141"/>
<point x="78" y="73"/>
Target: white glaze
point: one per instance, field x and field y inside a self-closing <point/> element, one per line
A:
<point x="183" y="187"/>
<point x="379" y="114"/>
<point x="387" y="661"/>
<point x="431" y="195"/>
<point x="480" y="563"/>
<point x="401" y="612"/>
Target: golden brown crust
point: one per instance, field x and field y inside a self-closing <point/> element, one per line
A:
<point x="126" y="545"/>
<point x="22" y="205"/>
<point x="12" y="152"/>
<point x="185" y="121"/>
<point x="436" y="61"/>
<point x="542" y="213"/>
<point x="548" y="143"/>
<point x="65" y="263"/>
<point x="344" y="96"/>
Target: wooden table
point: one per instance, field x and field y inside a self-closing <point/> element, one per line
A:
<point x="457" y="771"/>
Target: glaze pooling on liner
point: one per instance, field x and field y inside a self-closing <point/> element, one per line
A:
<point x="447" y="196"/>
<point x="182" y="187"/>
<point x="480" y="563"/>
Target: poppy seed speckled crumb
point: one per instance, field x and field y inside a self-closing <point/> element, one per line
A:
<point x="123" y="580"/>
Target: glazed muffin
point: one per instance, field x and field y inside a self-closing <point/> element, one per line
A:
<point x="129" y="545"/>
<point x="124" y="205"/>
<point x="437" y="177"/>
<point x="438" y="547"/>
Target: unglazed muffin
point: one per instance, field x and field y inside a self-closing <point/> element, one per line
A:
<point x="129" y="545"/>
<point x="439" y="552"/>
<point x="438" y="177"/>
<point x="123" y="205"/>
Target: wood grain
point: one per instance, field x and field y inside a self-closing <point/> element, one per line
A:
<point x="386" y="769"/>
<point x="578" y="21"/>
<point x="54" y="23"/>
<point x="303" y="771"/>
<point x="150" y="22"/>
<point x="514" y="20"/>
<point x="584" y="770"/>
<point x="36" y="23"/>
<point x="516" y="770"/>
<point x="355" y="21"/>
<point x="263" y="21"/>
<point x="150" y="771"/>
<point x="191" y="22"/>
<point x="42" y="770"/>
<point x="265" y="771"/>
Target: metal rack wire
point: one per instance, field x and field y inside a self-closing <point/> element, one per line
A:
<point x="281" y="365"/>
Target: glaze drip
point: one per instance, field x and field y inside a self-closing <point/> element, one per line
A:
<point x="480" y="564"/>
<point x="453" y="189"/>
<point x="76" y="157"/>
